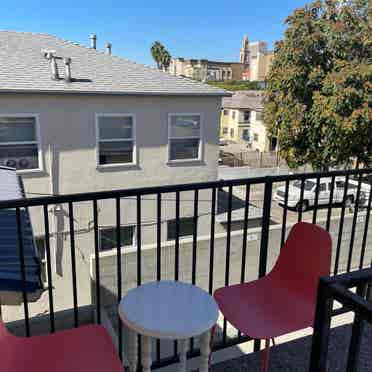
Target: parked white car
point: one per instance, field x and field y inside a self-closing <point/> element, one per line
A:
<point x="294" y="193"/>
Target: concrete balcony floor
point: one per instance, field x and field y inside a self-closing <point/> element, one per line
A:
<point x="293" y="356"/>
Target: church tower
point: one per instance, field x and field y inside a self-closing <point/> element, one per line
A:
<point x="244" y="51"/>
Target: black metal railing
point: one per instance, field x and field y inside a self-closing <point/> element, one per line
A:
<point x="254" y="189"/>
<point x="338" y="288"/>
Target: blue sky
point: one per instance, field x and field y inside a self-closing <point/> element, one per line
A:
<point x="210" y="29"/>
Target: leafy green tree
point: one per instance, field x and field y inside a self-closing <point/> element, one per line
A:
<point x="160" y="55"/>
<point x="318" y="101"/>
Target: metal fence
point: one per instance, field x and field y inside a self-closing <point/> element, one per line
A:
<point x="138" y="194"/>
<point x="338" y="288"/>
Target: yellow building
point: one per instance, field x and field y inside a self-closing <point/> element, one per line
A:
<point x="242" y="121"/>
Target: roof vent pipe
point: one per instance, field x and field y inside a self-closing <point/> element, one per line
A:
<point x="53" y="64"/>
<point x="93" y="41"/>
<point x="108" y="48"/>
<point x="67" y="62"/>
<point x="50" y="56"/>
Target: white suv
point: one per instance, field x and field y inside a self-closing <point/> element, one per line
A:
<point x="294" y="193"/>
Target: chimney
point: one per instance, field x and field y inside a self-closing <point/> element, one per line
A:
<point x="108" y="48"/>
<point x="93" y="41"/>
<point x="67" y="62"/>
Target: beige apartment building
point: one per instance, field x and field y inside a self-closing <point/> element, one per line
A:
<point x="242" y="121"/>
<point x="203" y="69"/>
<point x="254" y="64"/>
<point x="260" y="59"/>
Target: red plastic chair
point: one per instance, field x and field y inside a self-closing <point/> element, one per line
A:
<point x="84" y="349"/>
<point x="284" y="300"/>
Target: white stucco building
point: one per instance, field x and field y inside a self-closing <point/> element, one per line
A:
<point x="75" y="119"/>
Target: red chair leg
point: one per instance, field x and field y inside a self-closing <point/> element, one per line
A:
<point x="265" y="363"/>
<point x="273" y="339"/>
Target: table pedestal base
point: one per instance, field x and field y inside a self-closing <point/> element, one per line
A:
<point x="146" y="358"/>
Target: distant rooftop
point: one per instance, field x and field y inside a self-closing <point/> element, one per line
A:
<point x="24" y="68"/>
<point x="244" y="99"/>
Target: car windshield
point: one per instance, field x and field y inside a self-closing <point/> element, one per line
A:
<point x="308" y="185"/>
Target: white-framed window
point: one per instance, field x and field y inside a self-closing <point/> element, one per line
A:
<point x="116" y="139"/>
<point x="108" y="237"/>
<point x="245" y="134"/>
<point x="184" y="137"/>
<point x="255" y="137"/>
<point x="225" y="130"/>
<point x="186" y="228"/>
<point x="226" y="112"/>
<point x="232" y="132"/>
<point x="20" y="144"/>
<point x="247" y="115"/>
<point x="233" y="114"/>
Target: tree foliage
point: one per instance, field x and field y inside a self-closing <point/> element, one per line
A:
<point x="318" y="93"/>
<point x="160" y="55"/>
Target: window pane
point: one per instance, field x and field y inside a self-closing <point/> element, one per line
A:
<point x="259" y="115"/>
<point x="115" y="127"/>
<point x="184" y="149"/>
<point x="17" y="129"/>
<point x="185" y="126"/>
<point x="108" y="237"/>
<point x="186" y="228"/>
<point x="116" y="152"/>
<point x="19" y="156"/>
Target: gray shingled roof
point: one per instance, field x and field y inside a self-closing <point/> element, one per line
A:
<point x="244" y="99"/>
<point x="23" y="68"/>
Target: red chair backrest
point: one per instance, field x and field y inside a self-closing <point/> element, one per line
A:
<point x="304" y="258"/>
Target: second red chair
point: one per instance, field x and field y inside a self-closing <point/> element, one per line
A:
<point x="284" y="300"/>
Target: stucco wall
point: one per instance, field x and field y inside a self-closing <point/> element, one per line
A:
<point x="258" y="127"/>
<point x="68" y="137"/>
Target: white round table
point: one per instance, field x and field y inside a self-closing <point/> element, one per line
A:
<point x="168" y="310"/>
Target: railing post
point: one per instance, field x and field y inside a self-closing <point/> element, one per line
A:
<point x="265" y="227"/>
<point x="356" y="335"/>
<point x="264" y="237"/>
<point x="369" y="289"/>
<point x="322" y="322"/>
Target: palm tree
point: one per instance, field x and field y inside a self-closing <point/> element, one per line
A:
<point x="165" y="59"/>
<point x="156" y="52"/>
<point x="160" y="55"/>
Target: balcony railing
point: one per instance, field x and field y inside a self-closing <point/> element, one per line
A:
<point x="232" y="264"/>
<point x="338" y="288"/>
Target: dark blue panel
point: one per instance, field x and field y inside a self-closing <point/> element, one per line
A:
<point x="10" y="267"/>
